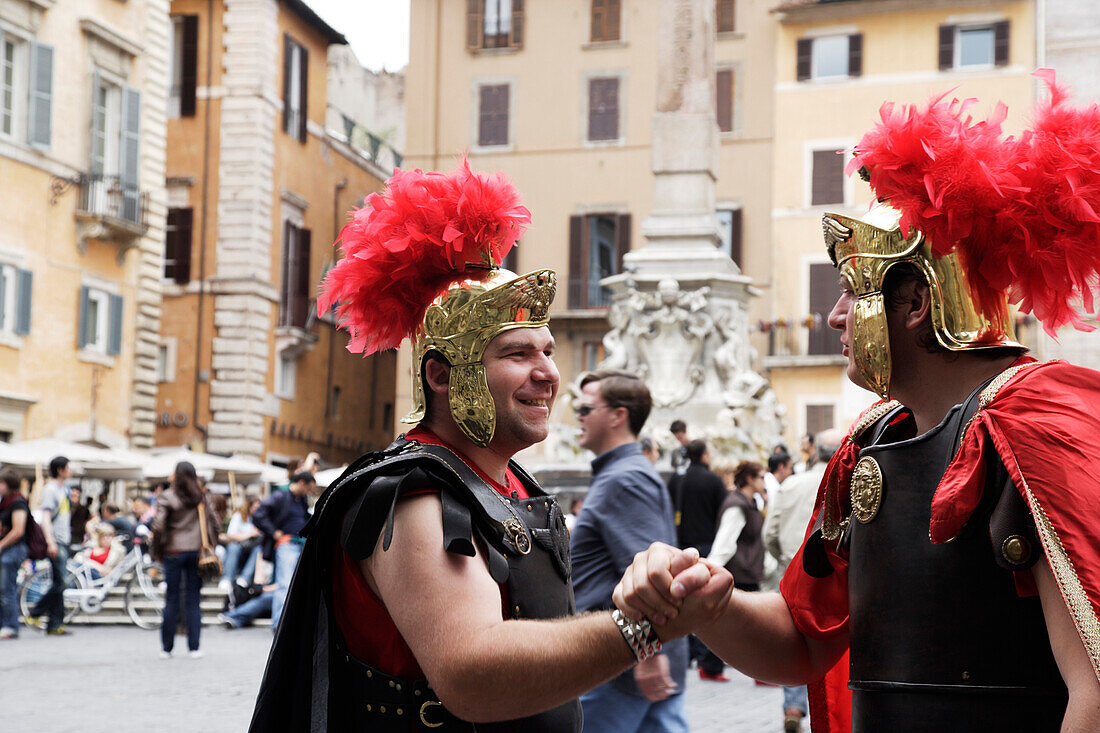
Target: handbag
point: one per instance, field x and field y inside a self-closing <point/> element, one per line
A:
<point x="210" y="567"/>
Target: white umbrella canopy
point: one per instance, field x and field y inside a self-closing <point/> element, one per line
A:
<point x="160" y="466"/>
<point x="87" y="461"/>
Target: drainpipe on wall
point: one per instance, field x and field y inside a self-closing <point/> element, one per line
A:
<point x="205" y="210"/>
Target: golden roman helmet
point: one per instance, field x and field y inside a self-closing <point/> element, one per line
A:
<point x="864" y="250"/>
<point x="459" y="326"/>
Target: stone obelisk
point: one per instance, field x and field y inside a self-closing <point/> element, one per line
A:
<point x="679" y="310"/>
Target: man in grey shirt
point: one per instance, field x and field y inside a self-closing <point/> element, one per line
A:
<point x="57" y="530"/>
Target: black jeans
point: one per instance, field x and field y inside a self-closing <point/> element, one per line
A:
<point x="185" y="566"/>
<point x="52" y="604"/>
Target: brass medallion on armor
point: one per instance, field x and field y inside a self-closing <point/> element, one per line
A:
<point x="866" y="490"/>
<point x="517" y="535"/>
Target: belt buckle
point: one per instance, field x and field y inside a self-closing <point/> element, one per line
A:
<point x="424" y="709"/>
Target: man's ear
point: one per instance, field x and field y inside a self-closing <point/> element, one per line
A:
<point x="918" y="304"/>
<point x="437" y="376"/>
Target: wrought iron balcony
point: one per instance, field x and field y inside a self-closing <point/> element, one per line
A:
<point x="801" y="342"/>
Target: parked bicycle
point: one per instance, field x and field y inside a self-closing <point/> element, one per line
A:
<point x="143" y="601"/>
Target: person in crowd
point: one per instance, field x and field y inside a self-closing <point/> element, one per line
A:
<point x="950" y="577"/>
<point x="143" y="511"/>
<point x="79" y="514"/>
<point x="650" y="450"/>
<point x="738" y="541"/>
<point x="125" y="529"/>
<point x="178" y="537"/>
<point x="806" y="452"/>
<point x="105" y="553"/>
<point x="627" y="506"/>
<point x="438" y="576"/>
<point x="697" y="496"/>
<point x="250" y="610"/>
<point x="679" y="430"/>
<point x="243" y="542"/>
<point x="14" y="511"/>
<point x="784" y="530"/>
<point x="56" y="527"/>
<point x="779" y="468"/>
<point x="281" y="517"/>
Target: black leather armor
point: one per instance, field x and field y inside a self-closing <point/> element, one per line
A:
<point x="525" y="542"/>
<point x="940" y="641"/>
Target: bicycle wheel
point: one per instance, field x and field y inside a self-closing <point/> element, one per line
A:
<point x="145" y="597"/>
<point x="36" y="585"/>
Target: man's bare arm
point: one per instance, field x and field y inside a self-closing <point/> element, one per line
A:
<point x="1083" y="711"/>
<point x="754" y="633"/>
<point x="448" y="609"/>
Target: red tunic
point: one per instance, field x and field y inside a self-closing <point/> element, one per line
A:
<point x="1043" y="425"/>
<point x="368" y="629"/>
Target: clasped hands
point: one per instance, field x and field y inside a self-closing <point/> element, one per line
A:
<point x="677" y="590"/>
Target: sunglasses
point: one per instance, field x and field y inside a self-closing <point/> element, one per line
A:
<point x="586" y="410"/>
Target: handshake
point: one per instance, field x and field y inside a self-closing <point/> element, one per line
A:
<point x="677" y="590"/>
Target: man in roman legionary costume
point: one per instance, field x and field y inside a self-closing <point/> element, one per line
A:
<point x="953" y="553"/>
<point x="433" y="590"/>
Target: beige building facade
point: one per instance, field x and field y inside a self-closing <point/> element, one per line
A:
<point x="82" y="161"/>
<point x="836" y="63"/>
<point x="258" y="190"/>
<point x="561" y="97"/>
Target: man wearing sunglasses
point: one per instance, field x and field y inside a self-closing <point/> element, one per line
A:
<point x="627" y="507"/>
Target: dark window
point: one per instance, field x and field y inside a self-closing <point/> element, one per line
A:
<point x="818" y="418"/>
<point x="15" y="300"/>
<point x="294" y="303"/>
<point x="494" y="24"/>
<point x="828" y="178"/>
<point x="183" y="70"/>
<point x="823" y="296"/>
<point x="729" y="229"/>
<point x="606" y="16"/>
<point x="724" y="86"/>
<point x="177" y="246"/>
<point x="593" y="355"/>
<point x="973" y="46"/>
<point x="295" y="88"/>
<point x="726" y="20"/>
<point x="492" y="126"/>
<point x="603" y="108"/>
<point x="597" y="243"/>
<point x="334" y="408"/>
<point x="829" y="57"/>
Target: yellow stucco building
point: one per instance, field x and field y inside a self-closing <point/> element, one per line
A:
<point x="82" y="155"/>
<point x="257" y="190"/>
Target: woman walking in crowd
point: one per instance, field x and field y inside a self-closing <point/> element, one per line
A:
<point x="13" y="549"/>
<point x="177" y="539"/>
<point x="738" y="543"/>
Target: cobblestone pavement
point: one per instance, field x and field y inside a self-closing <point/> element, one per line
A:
<point x="108" y="678"/>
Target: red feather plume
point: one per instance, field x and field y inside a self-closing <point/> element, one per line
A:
<point x="411" y="242"/>
<point x="1020" y="213"/>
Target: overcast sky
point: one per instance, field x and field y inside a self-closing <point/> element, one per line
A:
<point x="377" y="30"/>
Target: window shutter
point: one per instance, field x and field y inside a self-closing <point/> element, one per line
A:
<point x="612" y="23"/>
<point x="515" y="39"/>
<point x="725" y="21"/>
<point x="302" y="282"/>
<point x="303" y="117"/>
<point x="289" y="236"/>
<point x="184" y="218"/>
<point x="287" y="52"/>
<point x="1000" y="43"/>
<point x="622" y="233"/>
<point x="855" y="54"/>
<point x="493" y="115"/>
<point x="947" y="47"/>
<point x="804" y="58"/>
<point x="25" y="279"/>
<point x="171" y="228"/>
<point x="597" y="32"/>
<point x="114" y="340"/>
<point x="189" y="58"/>
<point x="82" y="319"/>
<point x="603" y="109"/>
<point x="129" y="151"/>
<point x="578" y="277"/>
<point x="735" y="237"/>
<point x="38" y="129"/>
<point x="828" y="178"/>
<point x="99" y="122"/>
<point x="474" y="28"/>
<point x="823" y="294"/>
<point x="724" y="89"/>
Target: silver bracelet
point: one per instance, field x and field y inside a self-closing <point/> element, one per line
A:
<point x="638" y="635"/>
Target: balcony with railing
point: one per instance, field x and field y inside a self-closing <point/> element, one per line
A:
<point x="805" y="341"/>
<point x="110" y="209"/>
